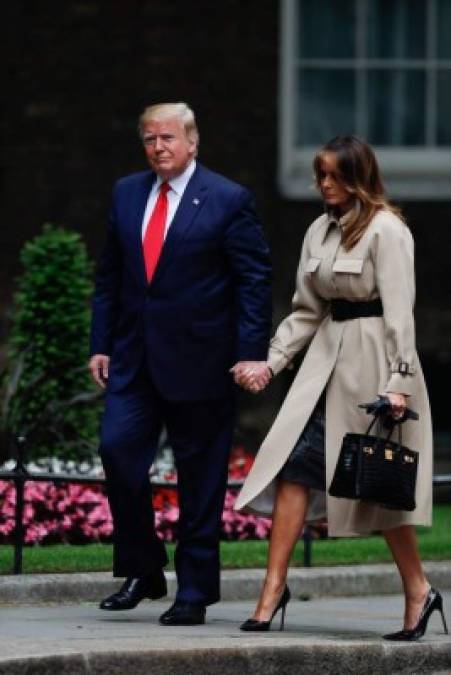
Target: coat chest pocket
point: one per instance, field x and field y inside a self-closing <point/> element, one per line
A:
<point x="312" y="265"/>
<point x="348" y="265"/>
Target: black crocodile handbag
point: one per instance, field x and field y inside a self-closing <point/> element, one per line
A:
<point x="376" y="469"/>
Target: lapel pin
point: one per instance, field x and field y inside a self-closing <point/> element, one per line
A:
<point x="195" y="201"/>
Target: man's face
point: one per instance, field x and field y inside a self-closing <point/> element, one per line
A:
<point x="168" y="149"/>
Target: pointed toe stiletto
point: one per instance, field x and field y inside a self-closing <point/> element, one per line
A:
<point x="434" y="601"/>
<point x="260" y="626"/>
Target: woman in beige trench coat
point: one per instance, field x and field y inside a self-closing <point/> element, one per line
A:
<point x="361" y="252"/>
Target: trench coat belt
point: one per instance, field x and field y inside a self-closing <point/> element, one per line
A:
<point x="343" y="310"/>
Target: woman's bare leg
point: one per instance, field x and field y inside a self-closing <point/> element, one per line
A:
<point x="288" y="519"/>
<point x="403" y="545"/>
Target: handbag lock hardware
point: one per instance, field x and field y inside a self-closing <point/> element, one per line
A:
<point x="368" y="450"/>
<point x="388" y="454"/>
<point x="408" y="459"/>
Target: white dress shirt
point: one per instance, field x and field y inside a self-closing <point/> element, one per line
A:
<point x="174" y="195"/>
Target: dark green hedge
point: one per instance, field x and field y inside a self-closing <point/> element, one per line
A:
<point x="48" y="394"/>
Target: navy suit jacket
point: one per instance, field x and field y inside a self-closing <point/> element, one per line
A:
<point x="209" y="302"/>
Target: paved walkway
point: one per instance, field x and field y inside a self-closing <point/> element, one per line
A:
<point x="322" y="636"/>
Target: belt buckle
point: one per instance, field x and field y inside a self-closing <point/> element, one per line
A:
<point x="403" y="368"/>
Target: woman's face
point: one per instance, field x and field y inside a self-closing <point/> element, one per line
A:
<point x="332" y="189"/>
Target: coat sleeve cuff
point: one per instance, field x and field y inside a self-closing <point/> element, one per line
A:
<point x="248" y="351"/>
<point x="403" y="367"/>
<point x="400" y="384"/>
<point x="99" y="349"/>
<point x="277" y="361"/>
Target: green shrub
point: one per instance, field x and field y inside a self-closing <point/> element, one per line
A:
<point x="48" y="395"/>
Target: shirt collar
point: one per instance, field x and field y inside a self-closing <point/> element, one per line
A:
<point x="179" y="183"/>
<point x="332" y="221"/>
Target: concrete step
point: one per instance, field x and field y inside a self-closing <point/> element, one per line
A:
<point x="349" y="580"/>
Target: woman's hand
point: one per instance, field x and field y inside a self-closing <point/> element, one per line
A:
<point x="398" y="404"/>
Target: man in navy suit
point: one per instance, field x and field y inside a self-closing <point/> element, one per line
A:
<point x="181" y="307"/>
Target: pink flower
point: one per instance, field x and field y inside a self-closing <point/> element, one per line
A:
<point x="80" y="513"/>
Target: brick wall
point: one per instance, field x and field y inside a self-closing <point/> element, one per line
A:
<point x="77" y="74"/>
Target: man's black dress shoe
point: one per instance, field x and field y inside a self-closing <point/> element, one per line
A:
<point x="183" y="614"/>
<point x="133" y="590"/>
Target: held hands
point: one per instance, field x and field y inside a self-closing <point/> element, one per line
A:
<point x="98" y="365"/>
<point x="253" y="376"/>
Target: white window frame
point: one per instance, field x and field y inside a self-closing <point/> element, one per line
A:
<point x="410" y="172"/>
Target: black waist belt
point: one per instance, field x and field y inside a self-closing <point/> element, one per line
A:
<point x="342" y="310"/>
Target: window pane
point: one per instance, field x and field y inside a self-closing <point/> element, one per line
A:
<point x="326" y="28"/>
<point x="396" y="107"/>
<point x="325" y="105"/>
<point x="444" y="107"/>
<point x="397" y="29"/>
<point x="443" y="28"/>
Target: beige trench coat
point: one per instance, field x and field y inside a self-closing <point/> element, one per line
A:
<point x="353" y="360"/>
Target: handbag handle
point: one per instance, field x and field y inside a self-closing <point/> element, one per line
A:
<point x="397" y="423"/>
<point x="382" y="405"/>
<point x="390" y="428"/>
<point x="380" y="408"/>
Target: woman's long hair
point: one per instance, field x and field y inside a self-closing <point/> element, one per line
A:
<point x="358" y="172"/>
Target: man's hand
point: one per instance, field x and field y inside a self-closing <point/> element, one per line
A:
<point x="98" y="365"/>
<point x="253" y="376"/>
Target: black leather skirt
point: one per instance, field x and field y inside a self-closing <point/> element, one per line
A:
<point x="306" y="464"/>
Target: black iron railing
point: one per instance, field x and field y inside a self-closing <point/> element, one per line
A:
<point x="19" y="475"/>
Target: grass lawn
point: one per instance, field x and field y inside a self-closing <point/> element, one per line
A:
<point x="435" y="544"/>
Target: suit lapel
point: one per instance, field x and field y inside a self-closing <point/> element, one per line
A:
<point x="188" y="208"/>
<point x="142" y="196"/>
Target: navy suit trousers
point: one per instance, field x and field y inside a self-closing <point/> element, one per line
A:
<point x="200" y="433"/>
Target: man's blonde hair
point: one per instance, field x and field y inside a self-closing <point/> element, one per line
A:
<point x="165" y="111"/>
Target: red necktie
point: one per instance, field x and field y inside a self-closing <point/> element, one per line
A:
<point x="154" y="236"/>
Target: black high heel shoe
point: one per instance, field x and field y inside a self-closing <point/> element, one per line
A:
<point x="255" y="625"/>
<point x="434" y="601"/>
